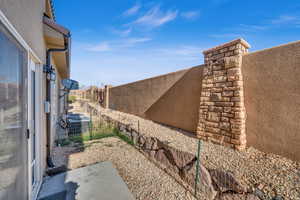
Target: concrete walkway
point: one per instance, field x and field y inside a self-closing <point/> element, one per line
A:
<point x="95" y="182"/>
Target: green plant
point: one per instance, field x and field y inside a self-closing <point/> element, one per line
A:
<point x="97" y="133"/>
<point x="123" y="137"/>
<point x="63" y="142"/>
<point x="98" y="136"/>
<point x="72" y="99"/>
<point x="76" y="139"/>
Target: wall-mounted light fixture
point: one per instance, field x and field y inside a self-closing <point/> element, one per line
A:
<point x="50" y="72"/>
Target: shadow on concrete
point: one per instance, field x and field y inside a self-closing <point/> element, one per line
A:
<point x="58" y="188"/>
<point x="97" y="181"/>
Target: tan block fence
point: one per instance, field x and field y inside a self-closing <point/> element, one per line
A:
<point x="236" y="98"/>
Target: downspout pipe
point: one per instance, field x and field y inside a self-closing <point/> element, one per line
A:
<point x="49" y="51"/>
<point x="48" y="93"/>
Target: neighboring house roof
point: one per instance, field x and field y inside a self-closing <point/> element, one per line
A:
<point x="49" y="9"/>
<point x="52" y="9"/>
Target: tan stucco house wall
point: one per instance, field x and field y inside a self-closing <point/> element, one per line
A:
<point x="26" y="26"/>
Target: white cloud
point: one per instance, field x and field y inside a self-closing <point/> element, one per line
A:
<point x="182" y="52"/>
<point x="156" y="17"/>
<point x="225" y="35"/>
<point x="102" y="47"/>
<point x="188" y="51"/>
<point x="109" y="46"/>
<point x="133" y="41"/>
<point x="246" y="27"/>
<point x="130" y="65"/>
<point x="133" y="10"/>
<point x="243" y="29"/>
<point x="286" y="19"/>
<point x="122" y="33"/>
<point x="190" y="14"/>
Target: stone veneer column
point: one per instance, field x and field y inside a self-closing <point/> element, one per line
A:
<point x="222" y="111"/>
<point x="106" y="95"/>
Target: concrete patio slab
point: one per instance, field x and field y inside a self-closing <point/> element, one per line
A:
<point x="100" y="181"/>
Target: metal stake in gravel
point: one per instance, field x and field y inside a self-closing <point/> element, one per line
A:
<point x="197" y="166"/>
<point x="91" y="125"/>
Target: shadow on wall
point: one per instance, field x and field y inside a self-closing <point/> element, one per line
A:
<point x="171" y="99"/>
<point x="135" y="98"/>
<point x="179" y="106"/>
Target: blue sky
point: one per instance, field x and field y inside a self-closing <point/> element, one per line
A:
<point x="120" y="41"/>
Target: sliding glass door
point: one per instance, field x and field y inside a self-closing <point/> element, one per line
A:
<point x="13" y="118"/>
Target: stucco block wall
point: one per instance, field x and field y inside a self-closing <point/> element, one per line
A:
<point x="272" y="99"/>
<point x="26" y="17"/>
<point x="238" y="98"/>
<point x="135" y="98"/>
<point x="179" y="106"/>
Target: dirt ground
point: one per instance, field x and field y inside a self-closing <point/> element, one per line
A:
<point x="143" y="178"/>
<point x="270" y="174"/>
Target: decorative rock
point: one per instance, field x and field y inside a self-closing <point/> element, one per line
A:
<point x="225" y="125"/>
<point x="134" y="137"/>
<point x="216" y="97"/>
<point x="161" y="157"/>
<point x="233" y="71"/>
<point x="232" y="61"/>
<point x="232" y="196"/>
<point x="212" y="116"/>
<point x="141" y="141"/>
<point x="188" y="174"/>
<point x="227" y="93"/>
<point x="177" y="157"/>
<point x="148" y="143"/>
<point x="225" y="181"/>
<point x="212" y="130"/>
<point x="215" y="109"/>
<point x="212" y="124"/>
<point x="157" y="144"/>
<point x="277" y="198"/>
<point x="259" y="194"/>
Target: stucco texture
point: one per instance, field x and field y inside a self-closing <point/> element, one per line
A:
<point x="135" y="98"/>
<point x="179" y="106"/>
<point x="272" y="99"/>
<point x="26" y="16"/>
<point x="171" y="99"/>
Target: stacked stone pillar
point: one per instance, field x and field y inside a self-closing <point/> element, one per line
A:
<point x="222" y="111"/>
<point x="106" y="95"/>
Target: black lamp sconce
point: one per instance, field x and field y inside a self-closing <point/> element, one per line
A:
<point x="50" y="72"/>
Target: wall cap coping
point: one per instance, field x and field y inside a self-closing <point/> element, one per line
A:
<point x="233" y="42"/>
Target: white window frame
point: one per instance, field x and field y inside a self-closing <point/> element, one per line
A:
<point x="32" y="56"/>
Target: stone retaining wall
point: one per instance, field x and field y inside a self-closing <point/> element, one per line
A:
<point x="213" y="184"/>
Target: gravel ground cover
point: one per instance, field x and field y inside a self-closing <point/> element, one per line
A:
<point x="143" y="178"/>
<point x="269" y="174"/>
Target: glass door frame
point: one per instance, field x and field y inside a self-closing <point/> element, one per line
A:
<point x="34" y="110"/>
